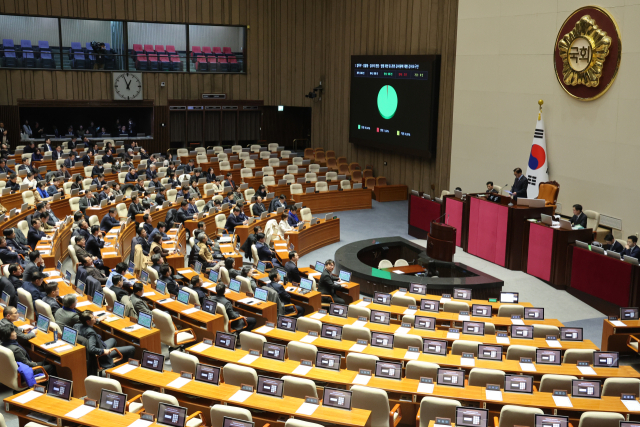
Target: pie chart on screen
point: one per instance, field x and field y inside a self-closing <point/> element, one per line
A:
<point x="387" y="101"/>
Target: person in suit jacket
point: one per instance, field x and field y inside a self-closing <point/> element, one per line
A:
<point x="258" y="207"/>
<point x="147" y="224"/>
<point x="70" y="162"/>
<point x="151" y="172"/>
<point x="228" y="181"/>
<point x="251" y="240"/>
<point x="12" y="243"/>
<point x="57" y="153"/>
<point x="94" y="244"/>
<point x="160" y="229"/>
<point x="106" y="194"/>
<point x="92" y="271"/>
<point x="13" y="183"/>
<point x="47" y="145"/>
<point x="291" y="267"/>
<point x="86" y="159"/>
<point x="34" y="287"/>
<point x="52" y="189"/>
<point x="37" y="156"/>
<point x="108" y="157"/>
<point x="611" y="244"/>
<point x="4" y="168"/>
<point x="230" y="199"/>
<point x="117" y="287"/>
<point x="97" y="347"/>
<point x="80" y="247"/>
<point x="233" y="220"/>
<point x="88" y="200"/>
<point x="71" y="145"/>
<point x="284" y="296"/>
<point x="280" y="202"/>
<point x="578" y="218"/>
<point x="188" y="168"/>
<point x="165" y="275"/>
<point x="35" y="234"/>
<point x="161" y="196"/>
<point x="135" y="208"/>
<point x="182" y="215"/>
<point x="131" y="176"/>
<point x="490" y="188"/>
<point x="67" y="315"/>
<point x="239" y="325"/>
<point x="7" y="286"/>
<point x="7" y="255"/>
<point x="520" y="184"/>
<point x="11" y="315"/>
<point x="51" y="297"/>
<point x="293" y="219"/>
<point x="98" y="170"/>
<point x="26" y="165"/>
<point x="139" y="304"/>
<point x="632" y="249"/>
<point x="141" y="239"/>
<point x="191" y="208"/>
<point x="82" y="230"/>
<point x="327" y="284"/>
<point x="194" y="192"/>
<point x="196" y="286"/>
<point x="63" y="173"/>
<point x="16" y="275"/>
<point x="109" y="221"/>
<point x="264" y="251"/>
<point x="9" y="337"/>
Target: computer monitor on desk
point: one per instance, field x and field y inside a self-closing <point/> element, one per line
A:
<point x="546" y="219"/>
<point x="170" y="415"/>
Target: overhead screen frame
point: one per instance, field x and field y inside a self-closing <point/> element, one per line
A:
<point x="432" y="141"/>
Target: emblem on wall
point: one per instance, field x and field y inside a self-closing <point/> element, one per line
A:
<point x="587" y="53"/>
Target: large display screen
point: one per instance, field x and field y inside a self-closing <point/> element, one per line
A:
<point x="394" y="102"/>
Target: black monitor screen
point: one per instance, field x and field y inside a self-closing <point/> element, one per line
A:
<point x="430" y="305"/>
<point x="434" y="347"/>
<point x="480" y="310"/>
<point x="332" y="332"/>
<point x="490" y="352"/>
<point x="337" y="398"/>
<point x="232" y="422"/>
<point x="328" y="361"/>
<point x="428" y="323"/>
<point x="473" y="328"/>
<point x="570" y="334"/>
<point x="207" y="374"/>
<point x="112" y="401"/>
<point x="394" y="102"/>
<point x="270" y="386"/>
<point x="381" y="317"/>
<point x="224" y="340"/>
<point x="391" y="370"/>
<point x="518" y="383"/>
<point x="533" y="313"/>
<point x="551" y="421"/>
<point x="381" y="340"/>
<point x="629" y="313"/>
<point x="153" y="361"/>
<point x="524" y="332"/>
<point x="585" y="388"/>
<point x="287" y="323"/>
<point x="273" y="351"/>
<point x="606" y="359"/>
<point x="174" y="416"/>
<point x="382" y="298"/>
<point x="451" y="377"/>
<point x="548" y="357"/>
<point x="59" y="387"/>
<point x="418" y="288"/>
<point x="339" y="310"/>
<point x="471" y="417"/>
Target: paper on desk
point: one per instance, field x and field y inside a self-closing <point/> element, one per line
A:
<point x="308" y="339"/>
<point x="553" y="343"/>
<point x="240" y="396"/>
<point x="425" y="388"/>
<point x="452" y="336"/>
<point x="83" y="303"/>
<point x="359" y="323"/>
<point x="280" y="244"/>
<point x="362" y="304"/>
<point x="201" y="347"/>
<point x="443" y="300"/>
<point x="79" y="412"/>
<point x="29" y="396"/>
<point x="313" y="274"/>
<point x="398" y="271"/>
<point x="44" y="251"/>
<point x="64" y="348"/>
<point x="402" y="330"/>
<point x="25" y="327"/>
<point x="317" y="315"/>
<point x="528" y="367"/>
<point x="302" y="370"/>
<point x="502" y="340"/>
<point x="110" y="319"/>
<point x="617" y="323"/>
<point x="409" y="311"/>
<point x="586" y="370"/>
<point x="140" y="423"/>
<point x="165" y="301"/>
<point x="411" y="355"/>
<point x="517" y="322"/>
<point x="99" y="313"/>
<point x="307" y="409"/>
<point x="247" y="300"/>
<point x="563" y="401"/>
<point x="109" y="253"/>
<point x="494" y="395"/>
<point x="463" y="317"/>
<point x="124" y="369"/>
<point x="133" y="328"/>
<point x="632" y="405"/>
<point x="361" y="379"/>
<point x="467" y="361"/>
<point x="56" y="279"/>
<point x="358" y="347"/>
<point x="264" y="330"/>
<point x="186" y="271"/>
<point x="178" y="382"/>
<point x="190" y="310"/>
<point x="55" y="344"/>
<point x="248" y="359"/>
<point x="147" y="294"/>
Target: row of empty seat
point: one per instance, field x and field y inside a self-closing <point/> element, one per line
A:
<point x="26" y="54"/>
<point x="156" y="57"/>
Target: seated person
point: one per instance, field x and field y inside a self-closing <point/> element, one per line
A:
<point x="88" y="200"/>
<point x="135" y="207"/>
<point x="328" y="283"/>
<point x="117" y="287"/>
<point x="139" y="305"/>
<point x="161" y="196"/>
<point x="578" y="218"/>
<point x="160" y="229"/>
<point x="131" y="177"/>
<point x="35" y="234"/>
<point x="11" y="315"/>
<point x="239" y="325"/>
<point x="97" y="347"/>
<point x="34" y="287"/>
<point x="262" y="191"/>
<point x="165" y="275"/>
<point x="291" y="267"/>
<point x="283" y="225"/>
<point x="490" y="188"/>
<point x="109" y="221"/>
<point x="141" y="239"/>
<point x="37" y="156"/>
<point x="40" y="194"/>
<point x="284" y="296"/>
<point x="99" y="180"/>
<point x="265" y="253"/>
<point x="7" y="254"/>
<point x="157" y="243"/>
<point x="92" y="271"/>
<point x="196" y="285"/>
<point x="98" y="169"/>
<point x="632" y="249"/>
<point x="234" y="220"/>
<point x="70" y="162"/>
<point x="258" y="207"/>
<point x="9" y="338"/>
<point x="182" y="215"/>
<point x="230" y="199"/>
<point x="52" y="294"/>
<point x="86" y="159"/>
<point x="611" y="244"/>
<point x="204" y="254"/>
<point x="293" y="217"/>
<point x="77" y="184"/>
<point x="13" y="183"/>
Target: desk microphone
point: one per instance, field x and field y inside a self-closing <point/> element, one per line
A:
<point x="441" y="217"/>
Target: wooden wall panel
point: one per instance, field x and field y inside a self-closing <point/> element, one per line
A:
<point x="292" y="45"/>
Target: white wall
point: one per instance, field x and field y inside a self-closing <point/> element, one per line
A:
<point x="164" y="34"/>
<point x="84" y="31"/>
<point x="201" y="35"/>
<point x="504" y="64"/>
<point x="29" y="28"/>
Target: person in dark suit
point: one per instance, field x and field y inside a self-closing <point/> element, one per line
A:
<point x="239" y="325"/>
<point x="258" y="207"/>
<point x="291" y="267"/>
<point x="13" y="183"/>
<point x="140" y="239"/>
<point x="57" y="153"/>
<point x="182" y="214"/>
<point x="106" y="194"/>
<point x="47" y="145"/>
<point x="139" y="304"/>
<point x="26" y="165"/>
<point x="109" y="221"/>
<point x="161" y="196"/>
<point x="92" y="270"/>
<point x="578" y="218"/>
<point x="520" y="184"/>
<point x="4" y="168"/>
<point x="98" y="170"/>
<point x="71" y="161"/>
<point x="34" y="287"/>
<point x="7" y="286"/>
<point x="196" y="286"/>
<point x="88" y="200"/>
<point x="35" y="234"/>
<point x="611" y="244"/>
<point x="188" y="168"/>
<point x="233" y="220"/>
<point x="83" y="230"/>
<point x="11" y="315"/>
<point x="86" y="159"/>
<point x="147" y="224"/>
<point x="12" y="243"/>
<point x="264" y="251"/>
<point x="293" y="219"/>
<point x="117" y="287"/>
<point x="490" y="188"/>
<point x="52" y="293"/>
<point x="16" y="275"/>
<point x="7" y="255"/>
<point x="94" y="244"/>
<point x="151" y="172"/>
<point x="229" y="182"/>
<point x="284" y="296"/>
<point x="632" y="250"/>
<point x="280" y="202"/>
<point x="162" y="226"/>
<point x="108" y="157"/>
<point x="9" y="337"/>
<point x="97" y="347"/>
<point x="327" y="284"/>
<point x="131" y="176"/>
<point x="135" y="208"/>
<point x="251" y="240"/>
<point x="165" y="275"/>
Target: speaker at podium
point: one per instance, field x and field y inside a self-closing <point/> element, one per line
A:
<point x="441" y="241"/>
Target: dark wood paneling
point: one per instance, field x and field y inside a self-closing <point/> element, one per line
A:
<point x="161" y="128"/>
<point x="10" y="116"/>
<point x="285" y="126"/>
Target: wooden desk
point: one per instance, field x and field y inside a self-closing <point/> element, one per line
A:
<point x="120" y="244"/>
<point x="243" y="231"/>
<point x="158" y="215"/>
<point x="11" y="201"/>
<point x="614" y="338"/>
<point x="315" y="236"/>
<point x="390" y="193"/>
<point x="350" y="291"/>
<point x="311" y="301"/>
<point x="407" y="269"/>
<point x="333" y="201"/>
<point x="494" y="305"/>
<point x="208" y="393"/>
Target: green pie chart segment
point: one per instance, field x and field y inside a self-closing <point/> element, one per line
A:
<point x="387" y="101"/>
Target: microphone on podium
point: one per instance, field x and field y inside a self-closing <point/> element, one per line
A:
<point x="437" y="219"/>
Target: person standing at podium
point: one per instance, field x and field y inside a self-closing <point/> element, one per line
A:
<point x="519" y="187"/>
<point x="490" y="188"/>
<point x="578" y="218"/>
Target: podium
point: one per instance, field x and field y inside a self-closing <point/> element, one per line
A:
<point x="441" y="241"/>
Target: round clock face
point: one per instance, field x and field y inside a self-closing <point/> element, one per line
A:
<point x="127" y="86"/>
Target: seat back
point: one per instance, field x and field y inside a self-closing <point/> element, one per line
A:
<point x="416" y="369"/>
<point x="549" y="192"/>
<point x="298" y="161"/>
<point x="152" y="399"/>
<point x="246" y="173"/>
<point x="357" y="361"/>
<point x="9" y="375"/>
<point x="249" y="193"/>
<point x="244" y="156"/>
<point x="459" y="346"/>
<point x="332" y="176"/>
<point x="305" y="214"/>
<point x="400" y="263"/>
<point x="385" y="263"/>
<point x="322" y="186"/>
<point x="406" y="341"/>
<point x="306" y="324"/>
<point x="24" y="227"/>
<point x="273" y="147"/>
<point x="600" y="419"/>
<point x="345" y="184"/>
<point x="381" y="180"/>
<point x="285" y="154"/>
<point x="299" y="350"/>
<point x="238" y="375"/>
<point x="455" y="307"/>
<point x="511" y="415"/>
<point x="355" y="311"/>
<point x="250" y="341"/>
<point x="183" y="362"/>
<point x="93" y="220"/>
<point x="223" y="312"/>
<point x="268" y="180"/>
<point x="402" y="300"/>
<point x="593" y="219"/>
<point x="437" y="407"/>
<point x="515" y="352"/>
<point x="218" y="412"/>
<point x="165" y="324"/>
<point x="354" y="333"/>
<point x="122" y="211"/>
<point x="265" y="155"/>
<point x="295" y="188"/>
<point x="315" y="168"/>
<point x="299" y="387"/>
<point x="24" y="297"/>
<point x="480" y="377"/>
<point x="28" y="197"/>
<point x="221" y="220"/>
<point x="550" y="382"/>
<point x="511" y="309"/>
<point x="249" y="163"/>
<point x="310" y="177"/>
<point x="94" y="386"/>
<point x="268" y="171"/>
<point x="293" y="169"/>
<point x="44" y="309"/>
<point x="274" y="162"/>
<point x="617" y="386"/>
<point x="236" y="148"/>
<point x="374" y="400"/>
<point x="541" y="331"/>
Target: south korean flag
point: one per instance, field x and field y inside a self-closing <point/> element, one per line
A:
<point x="538" y="166"/>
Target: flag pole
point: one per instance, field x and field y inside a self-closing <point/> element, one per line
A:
<point x="540" y="102"/>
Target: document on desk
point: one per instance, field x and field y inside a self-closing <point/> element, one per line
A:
<point x="443" y="300"/>
<point x="529" y="367"/>
<point x="362" y="304"/>
<point x="618" y="323"/>
<point x="63" y="348"/>
<point x="240" y="396"/>
<point x="494" y="395"/>
<point x="411" y="355"/>
<point x="178" y="382"/>
<point x="148" y="294"/>
<point x="517" y="322"/>
<point x="248" y="359"/>
<point x="308" y="339"/>
<point x="200" y="347"/>
<point x="79" y="412"/>
<point x="467" y="361"/>
<point x="463" y="317"/>
<point x="410" y="311"/>
<point x="502" y="340"/>
<point x="302" y="370"/>
<point x="83" y="303"/>
<point x="398" y="271"/>
<point x="402" y="330"/>
<point x="359" y="323"/>
<point x="109" y="253"/>
<point x="133" y="328"/>
<point x="57" y="279"/>
<point x="586" y="370"/>
<point x="632" y="405"/>
<point x="124" y="369"/>
<point x="317" y="315"/>
<point x="264" y="330"/>
<point x="186" y="271"/>
<point x="140" y="423"/>
<point x="110" y="319"/>
<point x="307" y="409"/>
<point x="425" y="388"/>
<point x="55" y="344"/>
<point x="453" y="336"/>
<point x="314" y="274"/>
<point x="361" y="379"/>
<point x="190" y="310"/>
<point x="358" y="348"/>
<point x="247" y="300"/>
<point x="563" y="401"/>
<point x="27" y="397"/>
<point x="554" y="343"/>
<point x="166" y="301"/>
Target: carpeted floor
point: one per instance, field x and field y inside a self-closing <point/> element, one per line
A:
<point x="390" y="219"/>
